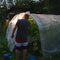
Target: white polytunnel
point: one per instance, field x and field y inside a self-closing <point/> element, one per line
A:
<point x="49" y="28"/>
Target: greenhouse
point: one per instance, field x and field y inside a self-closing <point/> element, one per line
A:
<point x="49" y="30"/>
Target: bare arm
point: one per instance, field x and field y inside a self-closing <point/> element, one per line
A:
<point x="13" y="31"/>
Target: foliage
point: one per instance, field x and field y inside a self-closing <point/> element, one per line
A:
<point x="34" y="35"/>
<point x="41" y="6"/>
<point x="53" y="6"/>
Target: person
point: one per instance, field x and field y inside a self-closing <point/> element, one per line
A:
<point x="21" y="43"/>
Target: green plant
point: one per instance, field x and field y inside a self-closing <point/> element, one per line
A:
<point x="34" y="34"/>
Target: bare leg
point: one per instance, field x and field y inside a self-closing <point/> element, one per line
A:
<point x="17" y="52"/>
<point x="24" y="54"/>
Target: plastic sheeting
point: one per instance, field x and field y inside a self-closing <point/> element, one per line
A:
<point x="11" y="41"/>
<point x="49" y="28"/>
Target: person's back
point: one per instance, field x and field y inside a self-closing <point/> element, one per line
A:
<point x="21" y="36"/>
<point x="22" y="29"/>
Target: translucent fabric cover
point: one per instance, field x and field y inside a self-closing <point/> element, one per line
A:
<point x="49" y="28"/>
